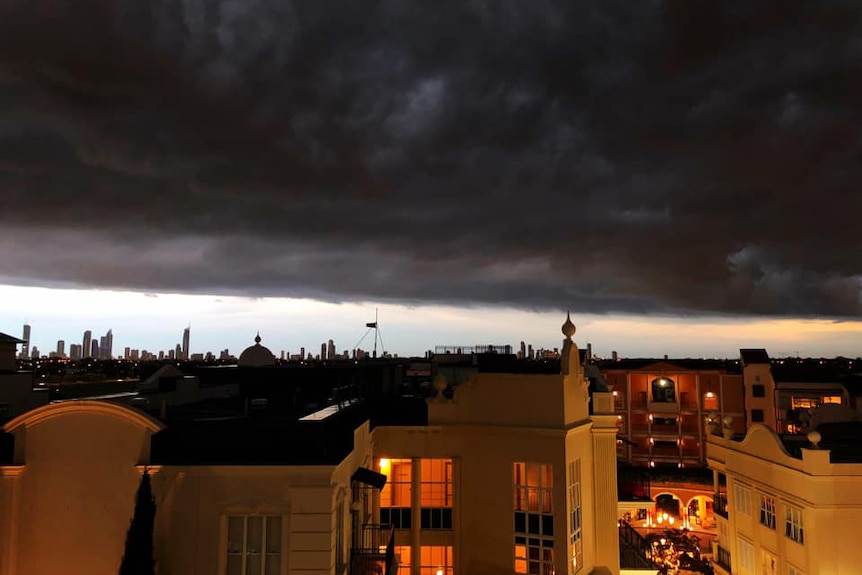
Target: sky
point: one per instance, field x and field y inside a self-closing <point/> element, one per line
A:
<point x="486" y="164"/>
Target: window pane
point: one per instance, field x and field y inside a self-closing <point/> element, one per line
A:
<point x="547" y="476"/>
<point x="234" y="564"/>
<point x="254" y="535"/>
<point x="533" y="474"/>
<point x="273" y="534"/>
<point x="273" y="564"/>
<point x="235" y="527"/>
<point x="253" y="564"/>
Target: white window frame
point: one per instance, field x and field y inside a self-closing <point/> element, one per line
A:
<point x="742" y="499"/>
<point x="745" y="561"/>
<point x="791" y="570"/>
<point x="793" y="526"/>
<point x="244" y="552"/>
<point x="767" y="511"/>
<point x="538" y="548"/>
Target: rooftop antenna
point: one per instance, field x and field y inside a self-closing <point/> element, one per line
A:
<point x="372" y="325"/>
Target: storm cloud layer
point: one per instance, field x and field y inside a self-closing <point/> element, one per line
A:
<point x="684" y="156"/>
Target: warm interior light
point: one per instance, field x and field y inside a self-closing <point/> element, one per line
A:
<point x="384" y="466"/>
<point x="439" y="572"/>
<point x="710" y="395"/>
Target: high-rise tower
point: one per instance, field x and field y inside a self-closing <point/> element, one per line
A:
<point x="88" y="337"/>
<point x="25" y="349"/>
<point x="186" y="336"/>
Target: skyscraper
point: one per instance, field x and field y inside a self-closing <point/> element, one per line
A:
<point x="94" y="349"/>
<point x="61" y="348"/>
<point x="74" y="351"/>
<point x="330" y="350"/>
<point x="86" y="346"/>
<point x="186" y="334"/>
<point x="25" y="349"/>
<point x="109" y="338"/>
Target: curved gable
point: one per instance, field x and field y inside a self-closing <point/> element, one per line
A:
<point x="761" y="441"/>
<point x="53" y="410"/>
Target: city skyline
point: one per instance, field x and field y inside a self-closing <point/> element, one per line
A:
<point x="157" y="323"/>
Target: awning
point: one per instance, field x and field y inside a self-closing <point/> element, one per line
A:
<point x="369" y="477"/>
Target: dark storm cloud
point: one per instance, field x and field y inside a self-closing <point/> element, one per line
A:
<point x="678" y="156"/>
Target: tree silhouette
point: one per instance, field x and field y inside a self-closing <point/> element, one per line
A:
<point x="138" y="553"/>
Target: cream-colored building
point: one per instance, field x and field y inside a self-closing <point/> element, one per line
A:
<point x="792" y="508"/>
<point x="511" y="474"/>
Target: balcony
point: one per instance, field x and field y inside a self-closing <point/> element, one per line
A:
<point x="663" y="407"/>
<point x="719" y="504"/>
<point x="373" y="550"/>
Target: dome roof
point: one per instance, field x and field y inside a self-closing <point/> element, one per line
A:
<point x="256" y="355"/>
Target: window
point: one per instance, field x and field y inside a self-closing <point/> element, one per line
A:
<point x="436" y="494"/>
<point x="767" y="511"/>
<point x="742" y="499"/>
<point x="339" y="537"/>
<point x="758" y="391"/>
<point x="663" y="390"/>
<point x="575" y="518"/>
<point x="534" y="519"/>
<point x="757" y="415"/>
<point x="395" y="497"/>
<point x="770" y="563"/>
<point x="710" y="401"/>
<point x="746" y="556"/>
<point x="793" y="524"/>
<point x="253" y="545"/>
<point x="403" y="553"/>
<point x="436" y="560"/>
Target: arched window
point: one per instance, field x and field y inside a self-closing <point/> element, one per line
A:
<point x="663" y="390"/>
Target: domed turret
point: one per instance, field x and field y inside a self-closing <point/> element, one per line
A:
<point x="256" y="355"/>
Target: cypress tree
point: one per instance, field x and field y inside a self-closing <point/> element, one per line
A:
<point x="138" y="553"/>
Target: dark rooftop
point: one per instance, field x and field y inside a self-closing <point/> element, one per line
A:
<point x="753" y="356"/>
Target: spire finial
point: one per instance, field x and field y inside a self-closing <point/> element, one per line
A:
<point x="568" y="327"/>
<point x="257" y="338"/>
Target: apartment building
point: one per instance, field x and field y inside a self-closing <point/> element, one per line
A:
<point x="785" y="506"/>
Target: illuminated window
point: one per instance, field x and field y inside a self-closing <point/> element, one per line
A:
<point x="663" y="390"/>
<point x="710" y="401"/>
<point x="534" y="519"/>
<point x="533" y="486"/>
<point x="793" y="524"/>
<point x="436" y="494"/>
<point x="436" y="560"/>
<point x="742" y="500"/>
<point x="253" y="545"/>
<point x="403" y="553"/>
<point x="832" y="399"/>
<point x="575" y="517"/>
<point x="767" y="511"/>
<point x="395" y="506"/>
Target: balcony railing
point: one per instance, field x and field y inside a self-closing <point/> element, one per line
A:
<point x="719" y="504"/>
<point x="373" y="550"/>
<point x="723" y="557"/>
